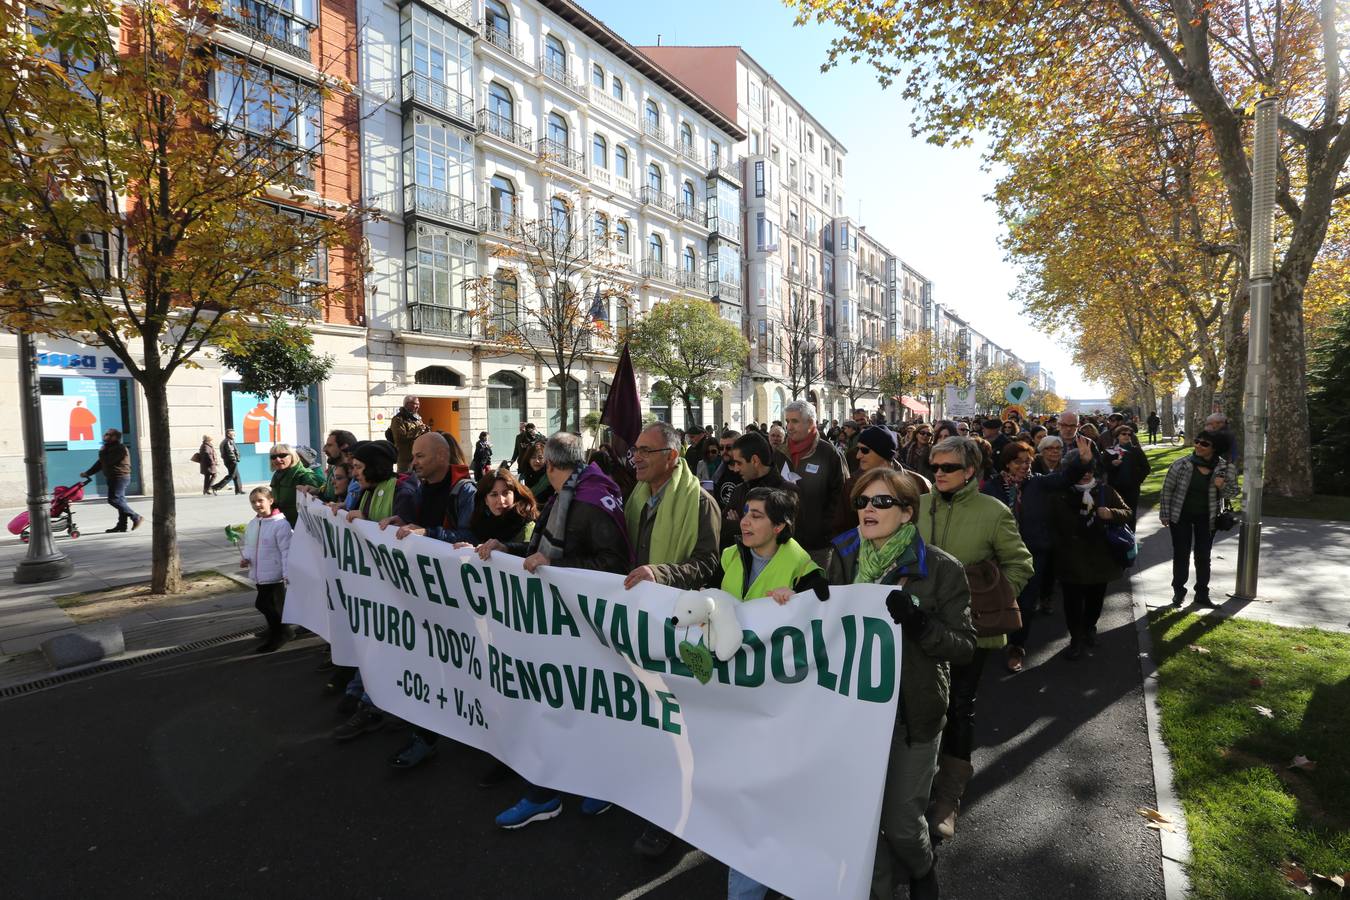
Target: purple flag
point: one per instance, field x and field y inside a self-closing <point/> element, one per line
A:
<point x="623" y="409"/>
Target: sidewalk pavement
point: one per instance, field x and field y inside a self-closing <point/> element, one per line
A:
<point x="1303" y="566"/>
<point x="29" y="614"/>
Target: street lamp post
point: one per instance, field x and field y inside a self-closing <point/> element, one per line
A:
<point x="1262" y="270"/>
<point x="43" y="562"/>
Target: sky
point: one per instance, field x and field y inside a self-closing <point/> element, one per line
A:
<point x="925" y="203"/>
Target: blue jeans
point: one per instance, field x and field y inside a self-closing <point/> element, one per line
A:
<point x="357" y="688"/>
<point x="743" y="887"/>
<point x="117" y="499"/>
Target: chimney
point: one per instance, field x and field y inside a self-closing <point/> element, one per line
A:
<point x="658" y="40"/>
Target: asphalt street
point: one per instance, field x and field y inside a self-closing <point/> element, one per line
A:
<point x="212" y="774"/>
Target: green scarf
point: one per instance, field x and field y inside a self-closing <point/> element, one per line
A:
<point x="874" y="563"/>
<point x="675" y="530"/>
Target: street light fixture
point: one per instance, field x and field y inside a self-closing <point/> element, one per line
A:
<point x="1265" y="153"/>
<point x="44" y="562"/>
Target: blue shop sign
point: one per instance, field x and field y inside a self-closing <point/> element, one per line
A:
<point x="50" y="362"/>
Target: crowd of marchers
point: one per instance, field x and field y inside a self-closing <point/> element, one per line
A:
<point x="971" y="524"/>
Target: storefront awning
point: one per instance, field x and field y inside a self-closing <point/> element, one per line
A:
<point x="914" y="406"/>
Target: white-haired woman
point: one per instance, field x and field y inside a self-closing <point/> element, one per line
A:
<point x="288" y="473"/>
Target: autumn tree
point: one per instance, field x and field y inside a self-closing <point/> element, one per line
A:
<point x="1009" y="69"/>
<point x="279" y="360"/>
<point x="918" y="364"/>
<point x="690" y="347"/>
<point x="139" y="213"/>
<point x="556" y="286"/>
<point x="803" y="345"/>
<point x="857" y="370"/>
<point x="992" y="381"/>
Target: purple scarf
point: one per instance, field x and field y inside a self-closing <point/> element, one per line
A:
<point x="597" y="489"/>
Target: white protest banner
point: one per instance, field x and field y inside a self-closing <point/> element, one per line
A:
<point x="958" y="401"/>
<point x="775" y="766"/>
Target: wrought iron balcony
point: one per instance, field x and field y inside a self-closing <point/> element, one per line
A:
<point x="268" y="25"/>
<point x="503" y="41"/>
<point x="460" y="12"/>
<point x="693" y="281"/>
<point x="559" y="154"/>
<point x="559" y="75"/>
<point x="690" y="152"/>
<point x="650" y="196"/>
<point x="502" y="128"/>
<point x="653" y="130"/>
<point x="692" y="212"/>
<point x="428" y="318"/>
<point x="655" y="268"/>
<point x="724" y="228"/>
<point x="501" y="221"/>
<point x="437" y="97"/>
<point x="430" y="203"/>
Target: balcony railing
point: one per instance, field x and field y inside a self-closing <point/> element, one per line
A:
<point x="438" y="97"/>
<point x="692" y="281"/>
<point x="654" y="268"/>
<point x="727" y="172"/>
<point x="653" y="130"/>
<point x="268" y="25"/>
<point x="428" y="318"/>
<point x="650" y="196"/>
<point x="500" y="221"/>
<point x="426" y="202"/>
<point x="612" y="105"/>
<point x="503" y="41"/>
<point x="624" y="184"/>
<point x="460" y="12"/>
<point x="559" y="154"/>
<point x="692" y="212"/>
<point x="690" y="152"/>
<point x="601" y="176"/>
<point x="559" y="75"/>
<point x="501" y="127"/>
<point x="726" y="228"/>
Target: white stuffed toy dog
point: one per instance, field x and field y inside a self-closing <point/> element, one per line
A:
<point x="715" y="612"/>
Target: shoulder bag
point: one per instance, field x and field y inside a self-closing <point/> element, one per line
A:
<point x="993" y="605"/>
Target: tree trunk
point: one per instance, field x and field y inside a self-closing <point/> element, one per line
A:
<point x="1168" y="415"/>
<point x="688" y="410"/>
<point x="166" y="572"/>
<point x="1288" y="467"/>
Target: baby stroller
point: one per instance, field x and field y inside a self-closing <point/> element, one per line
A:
<point x="62" y="513"/>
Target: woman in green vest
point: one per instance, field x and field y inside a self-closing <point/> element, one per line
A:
<point x="767" y="562"/>
<point x="383" y="492"/>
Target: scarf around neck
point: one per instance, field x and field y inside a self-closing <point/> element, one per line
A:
<point x="874" y="562"/>
<point x="675" y="525"/>
<point x="798" y="449"/>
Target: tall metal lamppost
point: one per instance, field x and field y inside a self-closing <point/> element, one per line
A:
<point x="1261" y="272"/>
<point x="43" y="562"/>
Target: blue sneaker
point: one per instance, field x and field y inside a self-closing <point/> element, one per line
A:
<point x="592" y="807"/>
<point x="526" y="811"/>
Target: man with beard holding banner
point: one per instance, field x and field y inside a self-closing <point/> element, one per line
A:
<point x="581" y="528"/>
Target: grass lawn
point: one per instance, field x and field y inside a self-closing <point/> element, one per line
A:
<point x="1327" y="507"/>
<point x="1247" y="810"/>
<point x="1159" y="459"/>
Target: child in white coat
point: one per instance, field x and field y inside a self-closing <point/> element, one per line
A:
<point x="267" y="541"/>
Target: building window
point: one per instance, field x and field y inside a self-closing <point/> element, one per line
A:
<point x="825" y="195"/>
<point x="690" y="200"/>
<point x="441" y="159"/>
<point x="502" y="197"/>
<point x="621" y="237"/>
<point x="443" y="262"/>
<point x="754" y="143"/>
<point x="438" y="51"/>
<point x="555" y="55"/>
<point x="557" y="129"/>
<point x="621" y="162"/>
<point x="267" y="102"/>
<point x="601" y="227"/>
<point x="714" y="154"/>
<point x="656" y="250"/>
<point x="287" y="21"/>
<point x="597" y="76"/>
<point x="654" y="180"/>
<point x="616" y="87"/>
<point x="498" y="18"/>
<point x="505" y="301"/>
<point x="759" y="178"/>
<point x="810" y="184"/>
<point x="599" y="152"/>
<point x="500" y="104"/>
<point x="686" y="137"/>
<point x="653" y="115"/>
<point x="690" y="260"/>
<point x="761" y="231"/>
<point x="560" y="215"/>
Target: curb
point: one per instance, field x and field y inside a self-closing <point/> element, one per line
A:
<point x="1176" y="846"/>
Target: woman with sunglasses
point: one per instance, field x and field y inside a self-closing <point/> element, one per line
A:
<point x="1192" y="493"/>
<point x="931" y="603"/>
<point x="972" y="527"/>
<point x="916" y="455"/>
<point x="289" y="473"/>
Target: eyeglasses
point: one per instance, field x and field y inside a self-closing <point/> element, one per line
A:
<point x="879" y="501"/>
<point x="646" y="452"/>
<point x="863" y="448"/>
<point x="949" y="468"/>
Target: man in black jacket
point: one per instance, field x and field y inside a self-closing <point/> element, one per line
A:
<point x="752" y="458"/>
<point x="114" y="461"/>
<point x="818" y="470"/>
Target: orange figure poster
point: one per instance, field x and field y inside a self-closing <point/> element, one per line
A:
<point x="82" y="421"/>
<point x="253" y="425"/>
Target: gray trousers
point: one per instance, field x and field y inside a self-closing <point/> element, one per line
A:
<point x="903" y="848"/>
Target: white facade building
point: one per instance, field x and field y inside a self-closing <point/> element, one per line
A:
<point x="487" y="119"/>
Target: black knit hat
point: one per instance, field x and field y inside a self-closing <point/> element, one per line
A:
<point x="372" y="451"/>
<point x="880" y="441"/>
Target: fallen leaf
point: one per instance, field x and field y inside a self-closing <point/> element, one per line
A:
<point x="1196" y="648"/>
<point x="1301" y="649"/>
<point x="1337" y="881"/>
<point x="1256" y="682"/>
<point x="1296" y="876"/>
<point x="1156" y="819"/>
<point x="1265" y="711"/>
<point x="1225" y="752"/>
<point x="1302" y="762"/>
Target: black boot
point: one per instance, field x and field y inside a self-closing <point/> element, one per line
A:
<point x="1178" y="596"/>
<point x="925" y="888"/>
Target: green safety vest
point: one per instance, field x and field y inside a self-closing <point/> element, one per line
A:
<point x="789" y="564"/>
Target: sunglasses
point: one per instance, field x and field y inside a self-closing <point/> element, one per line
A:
<point x="281" y="456"/>
<point x="878" y="501"/>
<point x="1203" y="444"/>
<point x="925" y="434"/>
<point x="949" y="468"/>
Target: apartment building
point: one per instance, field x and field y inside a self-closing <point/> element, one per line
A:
<point x="493" y="125"/>
<point x="275" y="56"/>
<point x="1040" y="378"/>
<point x="794" y="188"/>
